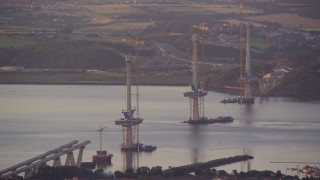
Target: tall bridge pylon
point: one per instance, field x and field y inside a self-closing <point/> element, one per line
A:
<point x="29" y="165"/>
<point x="248" y="79"/>
<point x="128" y="122"/>
<point x="196" y="93"/>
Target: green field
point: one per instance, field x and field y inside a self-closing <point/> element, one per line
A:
<point x="258" y="44"/>
<point x="14" y="41"/>
<point x="112" y="9"/>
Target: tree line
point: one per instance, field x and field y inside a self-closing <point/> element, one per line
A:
<point x="46" y="172"/>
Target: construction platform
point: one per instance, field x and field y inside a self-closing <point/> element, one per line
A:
<point x="199" y="93"/>
<point x="102" y="157"/>
<point x="130" y="122"/>
<point x="134" y="147"/>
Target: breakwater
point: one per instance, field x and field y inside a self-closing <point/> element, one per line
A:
<point x="210" y="164"/>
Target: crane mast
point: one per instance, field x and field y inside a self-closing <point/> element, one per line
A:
<point x="241" y="41"/>
<point x="100" y="132"/>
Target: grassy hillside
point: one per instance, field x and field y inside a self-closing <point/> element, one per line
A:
<point x="304" y="82"/>
<point x="63" y="55"/>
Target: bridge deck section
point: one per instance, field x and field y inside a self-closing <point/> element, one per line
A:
<point x="41" y="159"/>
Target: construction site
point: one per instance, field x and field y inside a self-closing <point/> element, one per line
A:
<point x="162" y="46"/>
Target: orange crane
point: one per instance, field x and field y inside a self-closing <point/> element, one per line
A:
<point x="241" y="40"/>
<point x="201" y="27"/>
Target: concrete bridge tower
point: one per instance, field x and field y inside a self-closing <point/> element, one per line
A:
<point x="248" y="88"/>
<point x="128" y="122"/>
<point x="196" y="92"/>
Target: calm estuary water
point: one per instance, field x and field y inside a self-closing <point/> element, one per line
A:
<point x="37" y="118"/>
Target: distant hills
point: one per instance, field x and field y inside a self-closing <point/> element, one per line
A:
<point x="65" y="55"/>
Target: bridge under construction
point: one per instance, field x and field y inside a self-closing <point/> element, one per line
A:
<point x="198" y="93"/>
<point x="29" y="165"/>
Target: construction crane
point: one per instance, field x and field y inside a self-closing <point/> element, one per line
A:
<point x="102" y="156"/>
<point x="241" y="41"/>
<point x="100" y="131"/>
<point x="201" y="27"/>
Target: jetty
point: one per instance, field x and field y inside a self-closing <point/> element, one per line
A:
<point x="210" y="164"/>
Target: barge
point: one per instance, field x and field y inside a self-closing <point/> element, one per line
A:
<point x="205" y="120"/>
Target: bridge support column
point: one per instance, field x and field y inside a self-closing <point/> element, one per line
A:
<point x="28" y="173"/>
<point x="70" y="159"/>
<point x="57" y="162"/>
<point x="79" y="160"/>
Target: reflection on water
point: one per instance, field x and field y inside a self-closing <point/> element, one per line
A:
<point x="130" y="160"/>
<point x="248" y="111"/>
<point x="246" y="165"/>
<point x="103" y="165"/>
<point x="196" y="142"/>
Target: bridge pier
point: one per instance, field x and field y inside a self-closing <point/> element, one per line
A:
<point x="79" y="160"/>
<point x="57" y="162"/>
<point x="70" y="159"/>
<point x="28" y="173"/>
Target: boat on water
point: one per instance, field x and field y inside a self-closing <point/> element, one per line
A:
<point x="247" y="101"/>
<point x="138" y="147"/>
<point x="239" y="100"/>
<point x="134" y="147"/>
<point x="149" y="148"/>
<point x="102" y="157"/>
<point x="205" y="120"/>
<point x="230" y="100"/>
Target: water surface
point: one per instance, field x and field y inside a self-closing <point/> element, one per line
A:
<point x="37" y="118"/>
